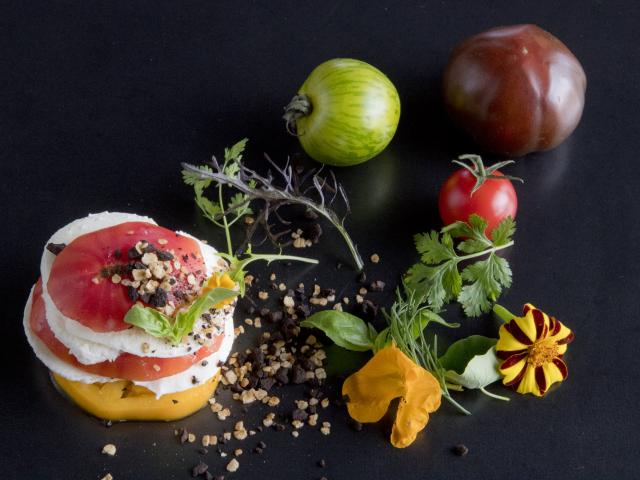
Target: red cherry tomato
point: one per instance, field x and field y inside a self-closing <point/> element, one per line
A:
<point x="494" y="200"/>
<point x="515" y="89"/>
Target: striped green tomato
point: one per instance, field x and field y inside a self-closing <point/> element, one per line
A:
<point x="345" y="113"/>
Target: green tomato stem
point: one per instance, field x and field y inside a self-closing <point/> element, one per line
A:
<point x="299" y="106"/>
<point x="502" y="313"/>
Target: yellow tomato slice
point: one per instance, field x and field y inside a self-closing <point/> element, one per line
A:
<point x="122" y="400"/>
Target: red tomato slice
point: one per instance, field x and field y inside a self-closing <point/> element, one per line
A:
<point x="126" y="366"/>
<point x="102" y="306"/>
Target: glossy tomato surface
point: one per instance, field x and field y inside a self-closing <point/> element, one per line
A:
<point x="354" y="112"/>
<point x="126" y="366"/>
<point x="515" y="89"/>
<point x="494" y="200"/>
<point x="80" y="289"/>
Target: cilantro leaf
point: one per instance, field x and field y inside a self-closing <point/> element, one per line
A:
<point x="503" y="232"/>
<point x="433" y="249"/>
<point x="486" y="279"/>
<point x="437" y="279"/>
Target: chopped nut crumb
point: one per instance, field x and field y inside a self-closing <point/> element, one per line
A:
<point x="338" y="307"/>
<point x="363" y="291"/>
<point x="233" y="465"/>
<point x="282" y="287"/>
<point x="145" y="347"/>
<point x="206" y="440"/>
<point x="162" y="241"/>
<point x="288" y="301"/>
<point x="272" y="277"/>
<point x="156" y="367"/>
<point x="262" y="295"/>
<point x="295" y="434"/>
<point x="375" y="258"/>
<point x="313" y="420"/>
<point x="359" y="299"/>
<point x="237" y="452"/>
<point x="108" y="476"/>
<point x="248" y="321"/>
<point x="109" y="449"/>
<point x="324" y="403"/>
<point x="115" y="278"/>
<point x="191" y="438"/>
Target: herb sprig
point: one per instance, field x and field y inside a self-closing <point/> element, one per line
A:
<point x="437" y="278"/>
<point x="225" y="213"/>
<point x="159" y="325"/>
<point x="311" y="191"/>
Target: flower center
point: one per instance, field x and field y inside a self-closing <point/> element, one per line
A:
<point x="542" y="352"/>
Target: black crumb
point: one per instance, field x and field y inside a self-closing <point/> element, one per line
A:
<point x="460" y="450"/>
<point x="199" y="469"/>
<point x="56" y="248"/>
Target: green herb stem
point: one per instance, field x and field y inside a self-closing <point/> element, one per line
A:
<point x="502" y="313"/>
<point x="493" y="395"/>
<point x="227" y="231"/>
<point x="484" y="252"/>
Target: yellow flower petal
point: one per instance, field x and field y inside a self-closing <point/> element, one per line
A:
<point x="512" y="372"/>
<point x="552" y="374"/>
<point x="391" y="374"/>
<point x="507" y="341"/>
<point x="527" y="325"/>
<point x="528" y="383"/>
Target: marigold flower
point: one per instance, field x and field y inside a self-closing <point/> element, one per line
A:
<point x="388" y="375"/>
<point x="531" y="348"/>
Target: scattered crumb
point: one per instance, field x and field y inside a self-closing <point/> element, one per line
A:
<point x="375" y="258"/>
<point x="233" y="465"/>
<point x="295" y="434"/>
<point x="109" y="449"/>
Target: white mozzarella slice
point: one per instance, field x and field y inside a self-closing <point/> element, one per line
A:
<point x="171" y="384"/>
<point x="91" y="347"/>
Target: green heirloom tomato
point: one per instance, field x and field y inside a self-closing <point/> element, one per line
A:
<point x="345" y="113"/>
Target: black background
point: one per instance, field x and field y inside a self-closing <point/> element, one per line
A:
<point x="101" y="101"/>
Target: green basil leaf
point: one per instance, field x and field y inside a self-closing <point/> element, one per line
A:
<point x="150" y="320"/>
<point x="185" y="320"/>
<point x="346" y="330"/>
<point x="343" y="362"/>
<point x="382" y="340"/>
<point x="471" y="362"/>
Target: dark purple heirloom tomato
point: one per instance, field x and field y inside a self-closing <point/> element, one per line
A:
<point x="515" y="89"/>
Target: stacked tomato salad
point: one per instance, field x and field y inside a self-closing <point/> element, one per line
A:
<point x="102" y="274"/>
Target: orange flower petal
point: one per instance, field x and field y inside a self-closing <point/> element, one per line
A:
<point x="391" y="374"/>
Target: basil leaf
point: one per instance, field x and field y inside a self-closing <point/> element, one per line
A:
<point x="343" y="362"/>
<point x="346" y="330"/>
<point x="382" y="340"/>
<point x="471" y="362"/>
<point x="150" y="320"/>
<point x="185" y="320"/>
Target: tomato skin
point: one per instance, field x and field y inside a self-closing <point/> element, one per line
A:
<point x="102" y="306"/>
<point x="354" y="113"/>
<point x="494" y="200"/>
<point x="515" y="89"/>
